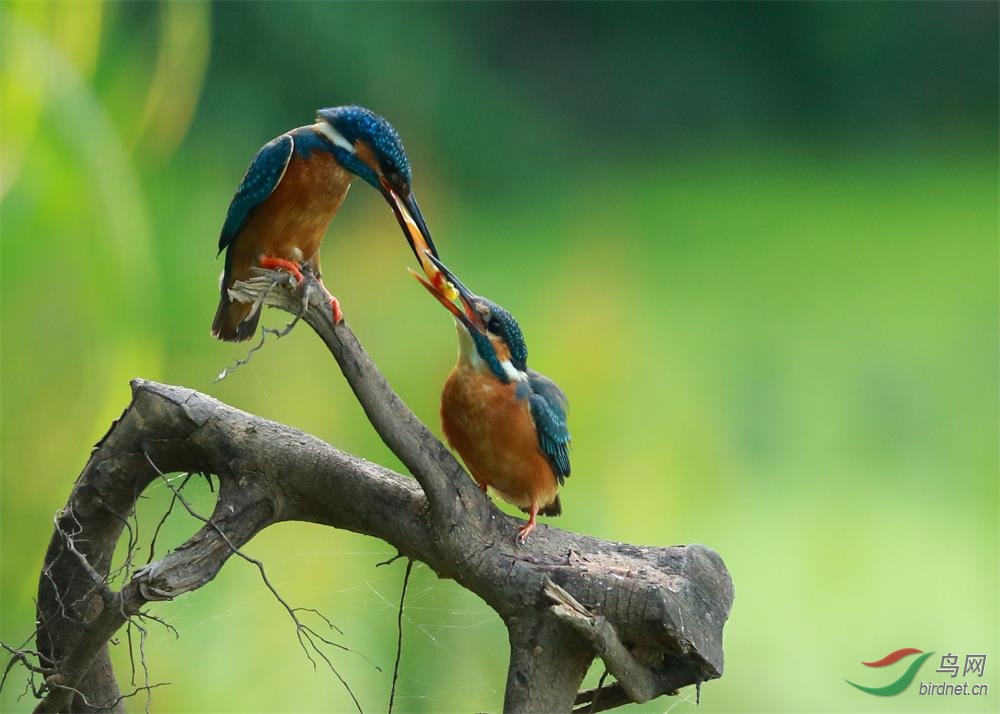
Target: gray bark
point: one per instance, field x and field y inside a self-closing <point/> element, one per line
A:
<point x="654" y="614"/>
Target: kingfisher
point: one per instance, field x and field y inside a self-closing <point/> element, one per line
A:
<point x="506" y="421"/>
<point x="290" y="193"/>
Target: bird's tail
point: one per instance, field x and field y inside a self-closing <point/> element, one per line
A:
<point x="553" y="509"/>
<point x="233" y="321"/>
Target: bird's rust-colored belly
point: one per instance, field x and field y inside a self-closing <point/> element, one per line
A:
<point x="492" y="430"/>
<point x="291" y="222"/>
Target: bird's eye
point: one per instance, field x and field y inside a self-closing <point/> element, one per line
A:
<point x="494" y="326"/>
<point x="396" y="179"/>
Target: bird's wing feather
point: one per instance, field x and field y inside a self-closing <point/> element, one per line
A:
<point x="548" y="409"/>
<point x="260" y="180"/>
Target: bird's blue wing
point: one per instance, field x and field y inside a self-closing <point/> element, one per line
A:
<point x="548" y="409"/>
<point x="263" y="176"/>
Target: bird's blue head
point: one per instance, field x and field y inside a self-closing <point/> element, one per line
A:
<point x="492" y="330"/>
<point x="368" y="146"/>
<point x="499" y="324"/>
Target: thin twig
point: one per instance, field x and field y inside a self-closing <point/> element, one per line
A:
<point x="100" y="583"/>
<point x="612" y="696"/>
<point x="47" y="572"/>
<point x="170" y="507"/>
<point x="133" y="541"/>
<point x="38" y="692"/>
<point x="143" y="632"/>
<point x="390" y="561"/>
<point x="23" y="651"/>
<point x="146" y="615"/>
<point x="110" y="705"/>
<point x="131" y="651"/>
<point x="34" y="634"/>
<point x="303" y="632"/>
<point x="597" y="691"/>
<point x="399" y="633"/>
<point x="279" y="278"/>
<point x="323" y="617"/>
<point x="20" y="656"/>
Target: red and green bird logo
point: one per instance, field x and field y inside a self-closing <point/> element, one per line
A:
<point x="904" y="680"/>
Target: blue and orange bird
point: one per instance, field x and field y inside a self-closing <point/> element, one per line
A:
<point x="290" y="193"/>
<point x="506" y="421"/>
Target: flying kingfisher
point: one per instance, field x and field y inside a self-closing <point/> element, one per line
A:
<point x="290" y="193"/>
<point x="506" y="421"/>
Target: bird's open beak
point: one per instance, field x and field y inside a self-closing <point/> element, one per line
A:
<point x="411" y="220"/>
<point x="467" y="314"/>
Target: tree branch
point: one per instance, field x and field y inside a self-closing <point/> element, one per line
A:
<point x="635" y="678"/>
<point x="658" y="608"/>
<point x="439" y="474"/>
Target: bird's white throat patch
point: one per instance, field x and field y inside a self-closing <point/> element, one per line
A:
<point x="467" y="351"/>
<point x="467" y="348"/>
<point x="512" y="372"/>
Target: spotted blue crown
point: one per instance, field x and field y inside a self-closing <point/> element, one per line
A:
<point x="356" y="123"/>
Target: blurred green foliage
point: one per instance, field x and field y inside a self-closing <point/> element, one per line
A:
<point x="755" y="243"/>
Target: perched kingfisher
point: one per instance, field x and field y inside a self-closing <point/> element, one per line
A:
<point x="506" y="421"/>
<point x="290" y="193"/>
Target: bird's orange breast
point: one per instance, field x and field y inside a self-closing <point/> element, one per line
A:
<point x="492" y="430"/>
<point x="290" y="223"/>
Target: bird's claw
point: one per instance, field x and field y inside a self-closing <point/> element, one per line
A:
<point x="334" y="303"/>
<point x="338" y="314"/>
<point x="524" y="531"/>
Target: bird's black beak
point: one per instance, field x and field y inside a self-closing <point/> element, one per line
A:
<point x="470" y="317"/>
<point x="411" y="220"/>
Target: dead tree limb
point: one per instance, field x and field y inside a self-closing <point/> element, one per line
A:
<point x="655" y="615"/>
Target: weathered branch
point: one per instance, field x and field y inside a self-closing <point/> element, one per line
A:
<point x="439" y="474"/>
<point x="636" y="607"/>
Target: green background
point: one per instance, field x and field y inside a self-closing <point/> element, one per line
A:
<point x="756" y="244"/>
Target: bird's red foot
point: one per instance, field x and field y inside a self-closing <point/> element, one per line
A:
<point x="482" y="486"/>
<point x="270" y="263"/>
<point x="334" y="303"/>
<point x="338" y="314"/>
<point x="524" y="531"/>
